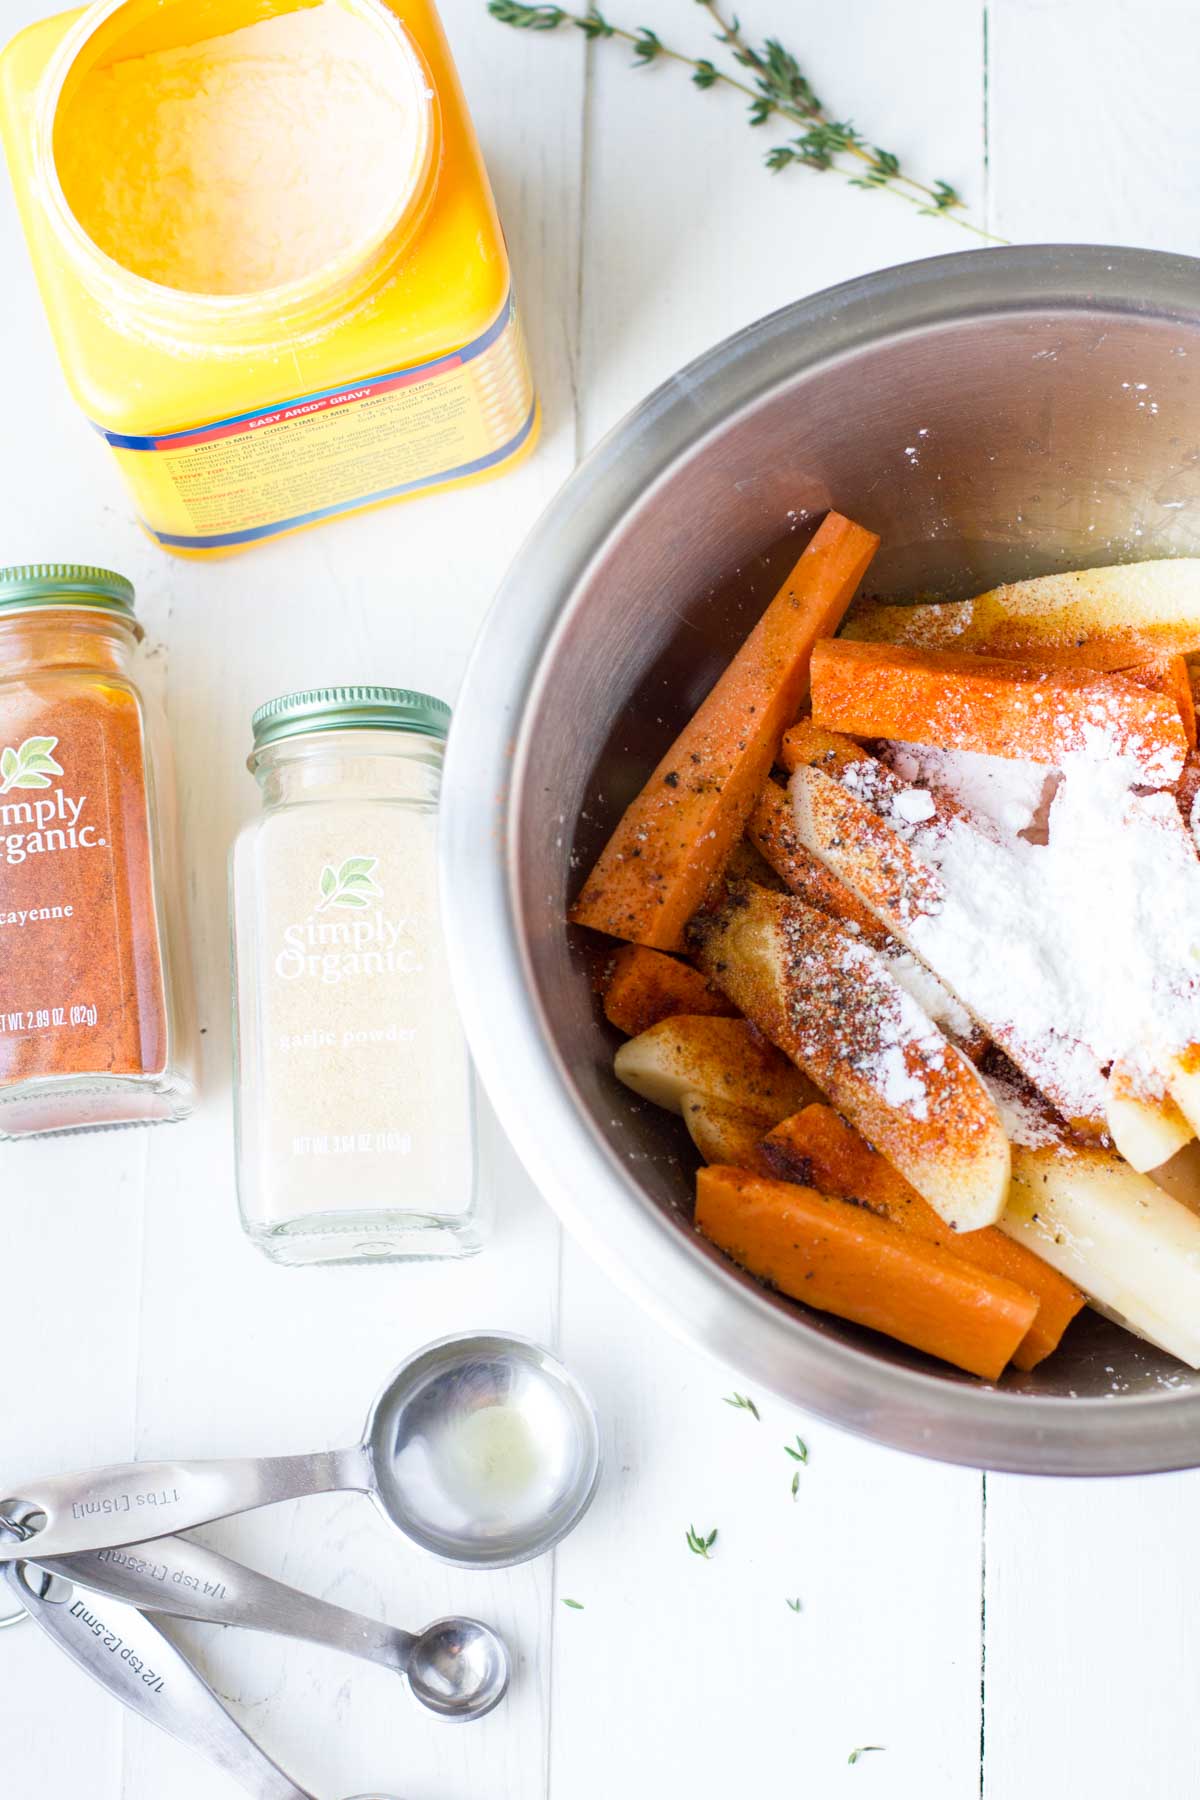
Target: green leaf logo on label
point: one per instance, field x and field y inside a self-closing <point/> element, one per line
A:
<point x="351" y="885"/>
<point x="30" y="765"/>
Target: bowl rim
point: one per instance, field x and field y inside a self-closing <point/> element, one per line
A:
<point x="688" y="1287"/>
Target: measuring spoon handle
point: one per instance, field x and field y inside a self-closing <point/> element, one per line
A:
<point x="128" y="1655"/>
<point x="129" y="1502"/>
<point x="189" y="1581"/>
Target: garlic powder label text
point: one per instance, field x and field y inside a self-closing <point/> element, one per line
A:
<point x="330" y="949"/>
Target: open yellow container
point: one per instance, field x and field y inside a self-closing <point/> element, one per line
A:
<point x="393" y="369"/>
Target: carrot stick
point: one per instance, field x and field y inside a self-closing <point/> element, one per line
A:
<point x="817" y="1146"/>
<point x="988" y="704"/>
<point x="820" y="749"/>
<point x="748" y="864"/>
<point x="772" y="831"/>
<point x="845" y="1260"/>
<point x="1169" y="675"/>
<point x="672" y="843"/>
<point x="645" y="986"/>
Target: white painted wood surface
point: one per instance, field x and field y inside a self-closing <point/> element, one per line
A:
<point x="1011" y="1639"/>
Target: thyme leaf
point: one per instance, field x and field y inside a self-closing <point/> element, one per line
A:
<point x="864" y="1750"/>
<point x="700" y="1545"/>
<point x="575" y="1605"/>
<point x="800" y="1453"/>
<point x="742" y="1402"/>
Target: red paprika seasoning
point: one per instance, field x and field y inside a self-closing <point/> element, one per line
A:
<point x="95" y="1014"/>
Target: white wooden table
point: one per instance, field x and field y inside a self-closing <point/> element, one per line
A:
<point x="1001" y="1637"/>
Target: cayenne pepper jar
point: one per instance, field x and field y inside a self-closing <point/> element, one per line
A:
<point x="95" y="1011"/>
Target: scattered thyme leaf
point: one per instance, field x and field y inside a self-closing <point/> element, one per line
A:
<point x="743" y="1403"/>
<point x="796" y="1485"/>
<point x="646" y="46"/>
<point x="793" y="1606"/>
<point x="776" y="87"/>
<point x="700" y="1545"/>
<point x="800" y="1453"/>
<point x="529" y="18"/>
<point x="595" y="25"/>
<point x="575" y="1605"/>
<point x="864" y="1750"/>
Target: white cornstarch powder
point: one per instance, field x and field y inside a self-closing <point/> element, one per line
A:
<point x="244" y="161"/>
<point x="1024" y="1122"/>
<point x="1008" y="793"/>
<point x="881" y="1029"/>
<point x="931" y="995"/>
<point x="1065" y="909"/>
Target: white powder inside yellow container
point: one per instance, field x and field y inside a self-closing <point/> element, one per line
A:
<point x="246" y="161"/>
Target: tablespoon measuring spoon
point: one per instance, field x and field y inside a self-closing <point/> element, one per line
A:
<point x="129" y="1656"/>
<point x="458" y="1667"/>
<point x="482" y="1450"/>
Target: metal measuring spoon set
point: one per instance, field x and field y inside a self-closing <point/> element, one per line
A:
<point x="482" y="1450"/>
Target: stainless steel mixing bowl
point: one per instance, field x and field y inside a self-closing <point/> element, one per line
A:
<point x="992" y="415"/>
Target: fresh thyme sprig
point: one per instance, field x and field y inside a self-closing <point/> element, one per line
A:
<point x="698" y="1545"/>
<point x="742" y="1402"/>
<point x="776" y="88"/>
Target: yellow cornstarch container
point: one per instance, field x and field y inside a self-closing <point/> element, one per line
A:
<point x="269" y="254"/>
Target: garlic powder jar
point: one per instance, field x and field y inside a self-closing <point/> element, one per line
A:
<point x="355" y="1129"/>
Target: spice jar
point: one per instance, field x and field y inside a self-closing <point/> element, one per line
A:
<point x="355" y="1129"/>
<point x="95" y="1012"/>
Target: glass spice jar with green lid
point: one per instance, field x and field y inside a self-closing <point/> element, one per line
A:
<point x="354" y="1096"/>
<point x="96" y="1016"/>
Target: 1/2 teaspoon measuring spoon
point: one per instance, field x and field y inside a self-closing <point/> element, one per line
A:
<point x="128" y="1655"/>
<point x="482" y="1450"/>
<point x="457" y="1667"/>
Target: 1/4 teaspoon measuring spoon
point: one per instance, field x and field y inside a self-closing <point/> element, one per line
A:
<point x="482" y="1450"/>
<point x="458" y="1667"/>
<point x="129" y="1656"/>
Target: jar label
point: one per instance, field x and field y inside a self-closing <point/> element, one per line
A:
<point x="313" y="456"/>
<point x="80" y="968"/>
<point x="355" y="1079"/>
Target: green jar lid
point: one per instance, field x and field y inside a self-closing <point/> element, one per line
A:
<point x="28" y="585"/>
<point x="350" y="709"/>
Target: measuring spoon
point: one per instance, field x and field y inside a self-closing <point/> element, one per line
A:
<point x="483" y="1450"/>
<point x="457" y="1667"/>
<point x="121" y="1649"/>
